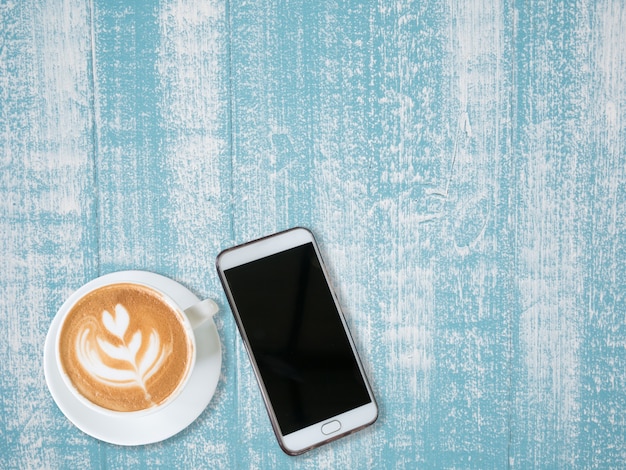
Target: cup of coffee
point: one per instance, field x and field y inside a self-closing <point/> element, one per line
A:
<point x="127" y="347"/>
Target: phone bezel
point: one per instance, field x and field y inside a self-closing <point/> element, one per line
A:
<point x="309" y="437"/>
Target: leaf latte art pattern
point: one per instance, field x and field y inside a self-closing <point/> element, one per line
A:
<point x="127" y="363"/>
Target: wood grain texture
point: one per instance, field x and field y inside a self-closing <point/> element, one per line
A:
<point x="47" y="242"/>
<point x="461" y="163"/>
<point x="164" y="175"/>
<point x="570" y="165"/>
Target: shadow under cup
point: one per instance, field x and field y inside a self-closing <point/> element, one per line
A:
<point x="125" y="348"/>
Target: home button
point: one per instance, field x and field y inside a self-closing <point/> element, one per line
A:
<point x="331" y="427"/>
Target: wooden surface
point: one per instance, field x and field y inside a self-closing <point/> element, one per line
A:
<point x="463" y="164"/>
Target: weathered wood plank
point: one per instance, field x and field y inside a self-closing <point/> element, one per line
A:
<point x="603" y="359"/>
<point x="440" y="216"/>
<point x="163" y="166"/>
<point x="569" y="145"/>
<point x="48" y="244"/>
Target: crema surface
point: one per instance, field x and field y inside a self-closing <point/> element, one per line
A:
<point x="124" y="347"/>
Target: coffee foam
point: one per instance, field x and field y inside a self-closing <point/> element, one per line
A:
<point x="124" y="347"/>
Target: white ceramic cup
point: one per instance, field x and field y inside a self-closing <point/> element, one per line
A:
<point x="190" y="318"/>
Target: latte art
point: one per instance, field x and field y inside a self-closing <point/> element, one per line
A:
<point x="125" y="348"/>
<point x="100" y="357"/>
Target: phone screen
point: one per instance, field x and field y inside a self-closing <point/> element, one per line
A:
<point x="297" y="337"/>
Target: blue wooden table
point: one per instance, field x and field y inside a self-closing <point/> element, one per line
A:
<point x="463" y="164"/>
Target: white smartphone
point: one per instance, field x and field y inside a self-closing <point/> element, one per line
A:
<point x="304" y="359"/>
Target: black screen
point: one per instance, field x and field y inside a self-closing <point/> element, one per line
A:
<point x="297" y="338"/>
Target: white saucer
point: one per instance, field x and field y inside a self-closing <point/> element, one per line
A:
<point x="161" y="424"/>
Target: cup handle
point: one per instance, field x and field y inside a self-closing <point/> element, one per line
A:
<point x="201" y="312"/>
